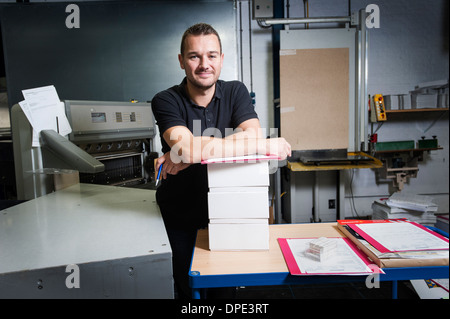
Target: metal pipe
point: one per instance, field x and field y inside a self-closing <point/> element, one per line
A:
<point x="360" y="91"/>
<point x="306" y="20"/>
<point x="240" y="40"/>
<point x="316" y="197"/>
<point x="306" y="12"/>
<point x="362" y="113"/>
<point x="250" y="45"/>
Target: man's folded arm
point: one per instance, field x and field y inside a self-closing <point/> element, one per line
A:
<point x="187" y="148"/>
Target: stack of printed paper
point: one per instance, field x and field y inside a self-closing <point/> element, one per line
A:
<point x="414" y="202"/>
<point x="416" y="208"/>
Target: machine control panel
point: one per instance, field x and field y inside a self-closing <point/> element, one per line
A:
<point x="378" y="105"/>
<point x="102" y="120"/>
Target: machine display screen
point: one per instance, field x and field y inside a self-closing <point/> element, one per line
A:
<point x="98" y="117"/>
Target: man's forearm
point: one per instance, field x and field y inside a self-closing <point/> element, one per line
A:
<point x="187" y="148"/>
<point x="248" y="133"/>
<point x="203" y="148"/>
<point x="231" y="147"/>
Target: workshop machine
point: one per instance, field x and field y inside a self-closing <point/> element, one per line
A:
<point x="90" y="238"/>
<point x="109" y="144"/>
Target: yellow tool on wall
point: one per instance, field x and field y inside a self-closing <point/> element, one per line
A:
<point x="378" y="105"/>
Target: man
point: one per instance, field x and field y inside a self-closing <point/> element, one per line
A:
<point x="195" y="119"/>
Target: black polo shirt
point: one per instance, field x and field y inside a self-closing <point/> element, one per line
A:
<point x="183" y="197"/>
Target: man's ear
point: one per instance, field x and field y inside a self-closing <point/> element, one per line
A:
<point x="181" y="60"/>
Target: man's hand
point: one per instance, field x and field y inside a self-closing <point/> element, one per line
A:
<point x="169" y="166"/>
<point x="277" y="146"/>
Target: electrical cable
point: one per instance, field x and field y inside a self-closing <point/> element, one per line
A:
<point x="288" y="5"/>
<point x="306" y="12"/>
<point x="380" y="124"/>
<point x="262" y="24"/>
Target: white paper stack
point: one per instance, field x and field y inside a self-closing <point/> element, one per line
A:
<point x="238" y="205"/>
<point x="415" y="208"/>
<point x="432" y="94"/>
<point x="322" y="248"/>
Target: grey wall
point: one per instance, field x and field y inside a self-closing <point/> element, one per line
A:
<point x="123" y="49"/>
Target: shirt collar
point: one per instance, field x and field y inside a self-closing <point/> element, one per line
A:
<point x="217" y="93"/>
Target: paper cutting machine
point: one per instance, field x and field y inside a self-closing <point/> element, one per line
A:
<point x="108" y="145"/>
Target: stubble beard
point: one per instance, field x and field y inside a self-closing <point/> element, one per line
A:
<point x="199" y="85"/>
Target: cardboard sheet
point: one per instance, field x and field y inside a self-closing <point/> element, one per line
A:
<point x="314" y="98"/>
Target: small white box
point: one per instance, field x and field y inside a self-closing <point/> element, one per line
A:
<point x="238" y="234"/>
<point x="238" y="202"/>
<point x="238" y="174"/>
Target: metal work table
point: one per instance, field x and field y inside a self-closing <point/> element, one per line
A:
<point x="300" y="174"/>
<point x="232" y="269"/>
<point x="115" y="235"/>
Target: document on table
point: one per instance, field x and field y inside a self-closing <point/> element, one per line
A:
<point x="400" y="236"/>
<point x="347" y="260"/>
<point x="44" y="111"/>
<point x="423" y="254"/>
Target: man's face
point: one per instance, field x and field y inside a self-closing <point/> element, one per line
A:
<point x="202" y="60"/>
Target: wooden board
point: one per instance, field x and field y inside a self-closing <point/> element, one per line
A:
<point x="314" y="98"/>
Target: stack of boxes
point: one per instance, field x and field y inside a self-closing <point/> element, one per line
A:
<point x="238" y="205"/>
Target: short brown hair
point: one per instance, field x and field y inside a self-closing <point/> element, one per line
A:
<point x="199" y="29"/>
